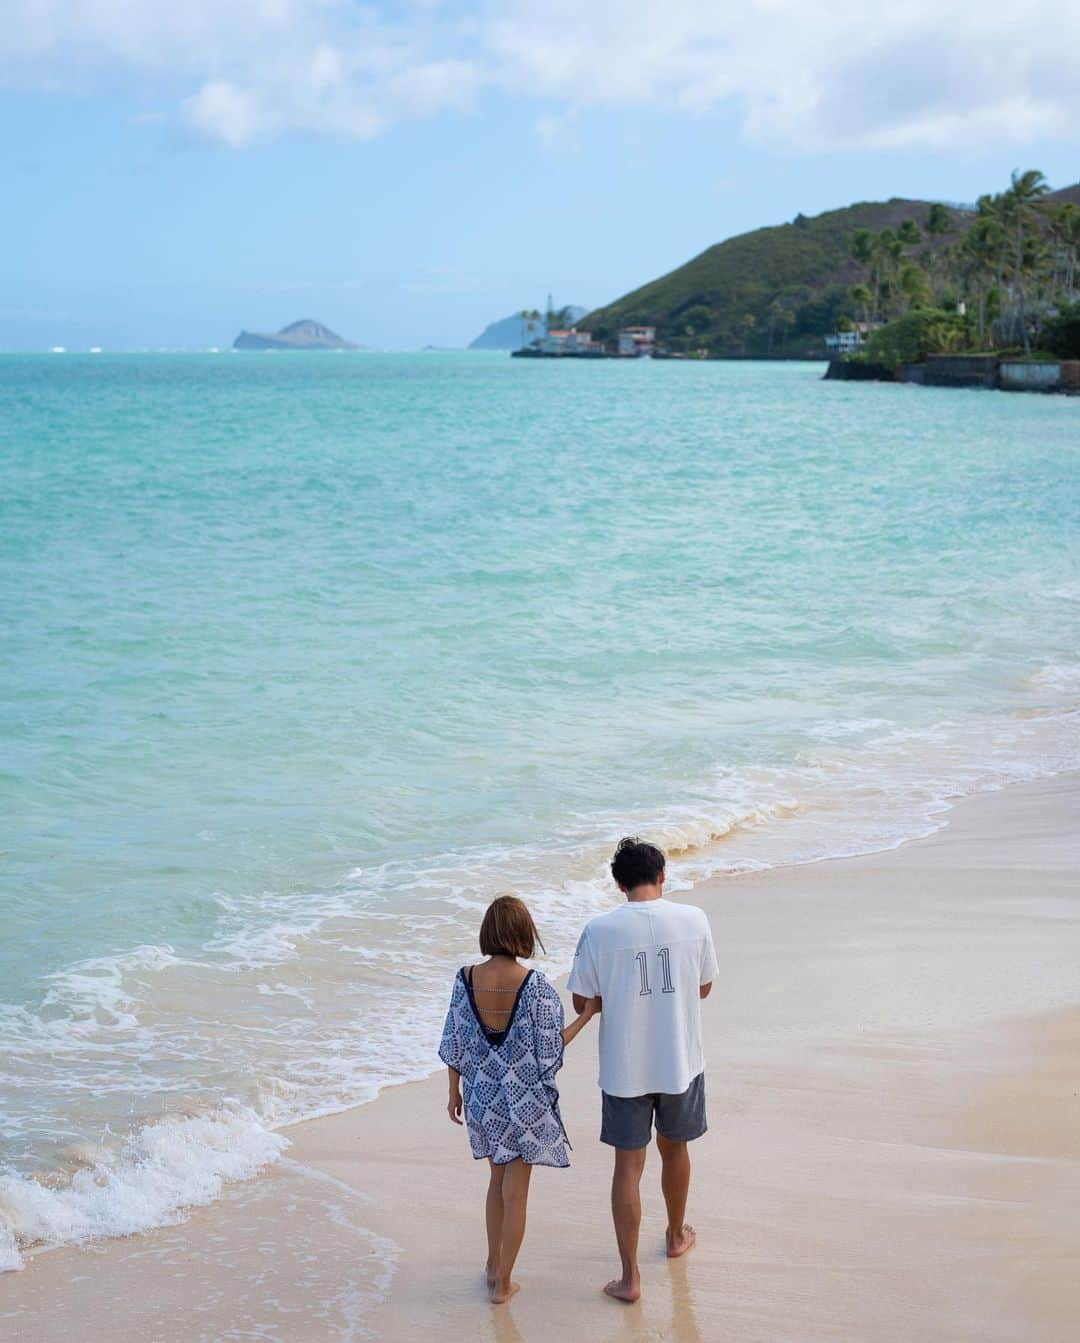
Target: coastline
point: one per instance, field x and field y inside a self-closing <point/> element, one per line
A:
<point x="892" y="1114"/>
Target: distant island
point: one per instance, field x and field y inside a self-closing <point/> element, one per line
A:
<point x="511" y="333"/>
<point x="302" y="335"/>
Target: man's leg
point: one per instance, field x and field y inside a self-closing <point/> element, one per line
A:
<point x="675" y="1182"/>
<point x="626" y="1213"/>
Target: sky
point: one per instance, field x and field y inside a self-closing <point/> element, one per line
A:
<point x="408" y="172"/>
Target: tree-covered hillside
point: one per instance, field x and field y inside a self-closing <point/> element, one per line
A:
<point x="1008" y="277"/>
<point x="773" y="291"/>
<point x="778" y="291"/>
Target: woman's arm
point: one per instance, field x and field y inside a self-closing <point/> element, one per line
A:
<point x="453" y="1104"/>
<point x="588" y="1011"/>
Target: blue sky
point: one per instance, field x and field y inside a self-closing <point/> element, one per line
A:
<point x="407" y="173"/>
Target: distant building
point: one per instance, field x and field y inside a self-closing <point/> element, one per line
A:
<point x="572" y="341"/>
<point x="637" y="340"/>
<point x="843" y="342"/>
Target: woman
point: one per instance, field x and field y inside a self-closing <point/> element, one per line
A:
<point x="503" y="1041"/>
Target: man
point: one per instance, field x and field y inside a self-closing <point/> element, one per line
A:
<point x="650" y="962"/>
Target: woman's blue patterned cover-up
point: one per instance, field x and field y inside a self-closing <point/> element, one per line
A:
<point x="510" y="1098"/>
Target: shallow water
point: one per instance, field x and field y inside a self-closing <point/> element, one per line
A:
<point x="306" y="657"/>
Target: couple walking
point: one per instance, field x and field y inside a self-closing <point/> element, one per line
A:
<point x="644" y="968"/>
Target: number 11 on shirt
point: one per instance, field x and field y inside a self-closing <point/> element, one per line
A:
<point x="663" y="955"/>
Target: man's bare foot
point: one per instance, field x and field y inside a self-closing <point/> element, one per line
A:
<point x="623" y="1289"/>
<point x="682" y="1243"/>
<point x="491" y="1273"/>
<point x="502" y="1292"/>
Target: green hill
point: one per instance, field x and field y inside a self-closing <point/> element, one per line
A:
<point x="775" y="291"/>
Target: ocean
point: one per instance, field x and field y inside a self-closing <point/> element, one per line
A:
<point x="305" y="658"/>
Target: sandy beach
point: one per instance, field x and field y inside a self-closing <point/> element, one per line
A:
<point x="894" y="1151"/>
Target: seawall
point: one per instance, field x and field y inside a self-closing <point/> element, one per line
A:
<point x="987" y="371"/>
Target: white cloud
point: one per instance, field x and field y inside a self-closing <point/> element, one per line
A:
<point x="812" y="77"/>
<point x="928" y="73"/>
<point x="223" y="112"/>
<point x="236" y="71"/>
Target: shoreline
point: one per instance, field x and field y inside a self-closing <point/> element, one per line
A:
<point x="863" y="1003"/>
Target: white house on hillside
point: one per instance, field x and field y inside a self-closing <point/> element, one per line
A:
<point x="843" y="342"/>
<point x="637" y="340"/>
<point x="572" y="341"/>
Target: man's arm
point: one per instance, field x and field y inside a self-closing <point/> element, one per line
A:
<point x="584" y="983"/>
<point x="710" y="967"/>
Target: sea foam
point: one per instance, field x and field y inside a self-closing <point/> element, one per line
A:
<point x="178" y="1163"/>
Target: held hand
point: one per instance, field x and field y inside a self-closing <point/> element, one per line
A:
<point x="585" y="1013"/>
<point x="453" y="1108"/>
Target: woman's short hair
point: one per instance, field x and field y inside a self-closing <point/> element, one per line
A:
<point x="508" y="929"/>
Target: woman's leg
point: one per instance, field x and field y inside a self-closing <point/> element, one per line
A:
<point x="494" y="1214"/>
<point x="515" y="1196"/>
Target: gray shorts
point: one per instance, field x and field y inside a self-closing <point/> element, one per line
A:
<point x="628" y="1120"/>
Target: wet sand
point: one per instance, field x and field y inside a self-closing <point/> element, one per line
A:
<point x="894" y="1153"/>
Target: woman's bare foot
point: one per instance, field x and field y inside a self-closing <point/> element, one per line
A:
<point x="624" y="1289"/>
<point x="491" y="1273"/>
<point x="502" y="1292"/>
<point x="683" y="1243"/>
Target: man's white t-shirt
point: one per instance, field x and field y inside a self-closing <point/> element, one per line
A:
<point x="647" y="959"/>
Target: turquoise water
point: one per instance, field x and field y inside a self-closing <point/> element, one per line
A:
<point x="306" y="657"/>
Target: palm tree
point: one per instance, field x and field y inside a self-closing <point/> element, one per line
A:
<point x="937" y="223"/>
<point x="1025" y="193"/>
<point x="913" y="283"/>
<point x="863" y="246"/>
<point x="997" y="209"/>
<point x="890" y="253"/>
<point x="531" y="318"/>
<point x="980" y="250"/>
<point x="861" y="294"/>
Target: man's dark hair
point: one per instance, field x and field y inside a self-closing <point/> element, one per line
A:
<point x="636" y="863"/>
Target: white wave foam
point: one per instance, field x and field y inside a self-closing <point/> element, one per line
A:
<point x="256" y="944"/>
<point x="1060" y="677"/>
<point x="840" y="729"/>
<point x="179" y="1163"/>
<point x="94" y="991"/>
